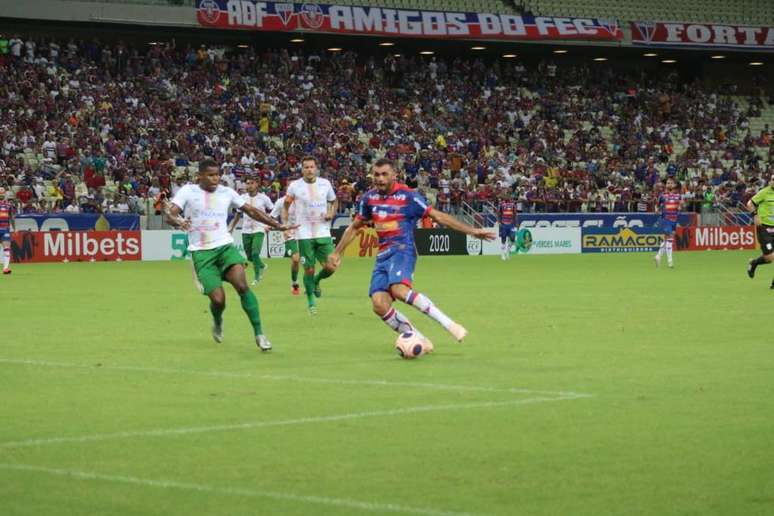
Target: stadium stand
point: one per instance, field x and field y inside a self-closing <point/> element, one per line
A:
<point x="95" y="126"/>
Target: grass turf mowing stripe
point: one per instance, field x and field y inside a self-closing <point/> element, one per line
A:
<point x="231" y="491"/>
<point x="161" y="432"/>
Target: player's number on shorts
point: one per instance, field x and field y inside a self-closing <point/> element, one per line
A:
<point x="440" y="243"/>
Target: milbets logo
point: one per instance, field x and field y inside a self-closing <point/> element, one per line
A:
<point x="101" y="245"/>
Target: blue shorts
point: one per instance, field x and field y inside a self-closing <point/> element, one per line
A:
<point x="668" y="226"/>
<point x="5" y="235"/>
<point x="394" y="268"/>
<point x="507" y="231"/>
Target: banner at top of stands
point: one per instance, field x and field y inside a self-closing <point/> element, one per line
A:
<point x="665" y="34"/>
<point x="383" y="21"/>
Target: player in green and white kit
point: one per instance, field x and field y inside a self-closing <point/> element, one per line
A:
<point x="253" y="232"/>
<point x="291" y="244"/>
<point x="315" y="201"/>
<point x="762" y="206"/>
<point x="206" y="206"/>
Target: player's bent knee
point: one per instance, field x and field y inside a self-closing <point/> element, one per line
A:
<point x="399" y="291"/>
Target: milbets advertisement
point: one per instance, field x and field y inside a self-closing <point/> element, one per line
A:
<point x="72" y="246"/>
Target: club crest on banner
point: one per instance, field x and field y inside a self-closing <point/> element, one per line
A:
<point x="647" y="30"/>
<point x="312" y="15"/>
<point x="209" y="10"/>
<point x="284" y="11"/>
<point x="611" y="25"/>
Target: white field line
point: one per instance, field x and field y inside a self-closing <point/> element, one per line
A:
<point x="293" y="378"/>
<point x="232" y="491"/>
<point x="161" y="432"/>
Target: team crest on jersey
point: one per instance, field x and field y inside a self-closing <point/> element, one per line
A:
<point x="284" y="11"/>
<point x="209" y="10"/>
<point x="647" y="30"/>
<point x="312" y="15"/>
<point x="610" y="25"/>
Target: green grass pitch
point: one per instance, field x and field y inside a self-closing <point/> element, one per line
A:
<point x="588" y="385"/>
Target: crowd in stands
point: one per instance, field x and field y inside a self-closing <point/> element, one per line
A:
<point x="89" y="126"/>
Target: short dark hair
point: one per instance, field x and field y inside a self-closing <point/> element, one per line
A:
<point x="309" y="157"/>
<point x="207" y="163"/>
<point x="384" y="161"/>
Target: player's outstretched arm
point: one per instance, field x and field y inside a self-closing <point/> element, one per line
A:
<point x="173" y="218"/>
<point x="331" y="210"/>
<point x="260" y="216"/>
<point x="334" y="259"/>
<point x="447" y="220"/>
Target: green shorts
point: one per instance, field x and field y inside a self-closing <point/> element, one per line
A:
<point x="315" y="249"/>
<point x="253" y="243"/>
<point x="211" y="265"/>
<point x="291" y="247"/>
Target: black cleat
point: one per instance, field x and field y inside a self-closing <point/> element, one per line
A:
<point x="772" y="285"/>
<point x="751" y="266"/>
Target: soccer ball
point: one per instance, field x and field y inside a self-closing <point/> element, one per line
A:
<point x="410" y="345"/>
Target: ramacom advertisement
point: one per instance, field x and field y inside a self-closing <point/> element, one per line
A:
<point x="622" y="240"/>
<point x="75" y="246"/>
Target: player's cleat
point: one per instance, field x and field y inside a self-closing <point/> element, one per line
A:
<point x="254" y="282"/>
<point x="772" y="285"/>
<point x="457" y="331"/>
<point x="217" y="332"/>
<point x="671" y="265"/>
<point x="317" y="290"/>
<point x="312" y="310"/>
<point x="263" y="343"/>
<point x="751" y="266"/>
<point x="657" y="259"/>
<point x="295" y="290"/>
<point x="6" y="271"/>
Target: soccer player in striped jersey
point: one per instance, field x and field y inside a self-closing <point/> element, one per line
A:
<point x="394" y="210"/>
<point x="7" y="211"/>
<point x="670" y="203"/>
<point x="506" y="220"/>
<point x="215" y="258"/>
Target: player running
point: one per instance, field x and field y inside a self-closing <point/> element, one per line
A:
<point x="315" y="201"/>
<point x="506" y="220"/>
<point x="7" y="225"/>
<point x="253" y="232"/>
<point x="215" y="258"/>
<point x="762" y="206"/>
<point x="394" y="210"/>
<point x="291" y="245"/>
<point x="670" y="203"/>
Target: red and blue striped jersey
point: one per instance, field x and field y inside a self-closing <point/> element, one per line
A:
<point x="6" y="211"/>
<point x="506" y="213"/>
<point x="394" y="216"/>
<point x="670" y="205"/>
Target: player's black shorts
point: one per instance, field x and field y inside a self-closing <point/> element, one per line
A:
<point x="766" y="238"/>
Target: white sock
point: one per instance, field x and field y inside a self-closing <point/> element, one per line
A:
<point x="424" y="305"/>
<point x="668" y="244"/>
<point x="661" y="249"/>
<point x="6" y="258"/>
<point x="398" y="322"/>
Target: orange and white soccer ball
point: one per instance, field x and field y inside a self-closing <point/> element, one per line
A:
<point x="410" y="345"/>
